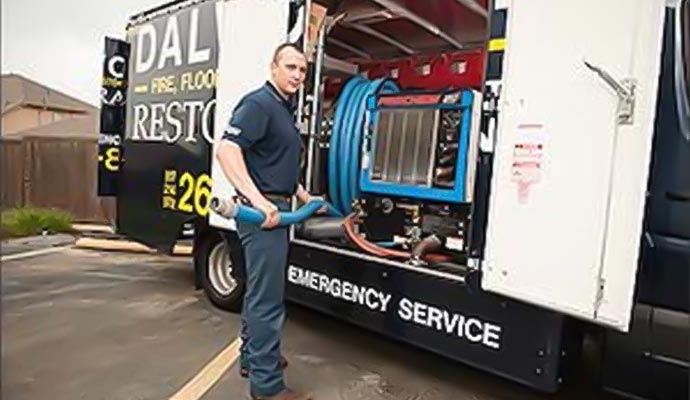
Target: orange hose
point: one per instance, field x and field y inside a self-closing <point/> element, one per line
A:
<point x="382" y="251"/>
<point x="359" y="241"/>
<point x="436" y="258"/>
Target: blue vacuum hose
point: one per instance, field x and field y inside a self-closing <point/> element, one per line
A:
<point x="230" y="209"/>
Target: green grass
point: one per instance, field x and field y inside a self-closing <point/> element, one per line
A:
<point x="30" y="221"/>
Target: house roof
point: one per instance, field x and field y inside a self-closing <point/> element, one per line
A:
<point x="18" y="90"/>
<point x="87" y="125"/>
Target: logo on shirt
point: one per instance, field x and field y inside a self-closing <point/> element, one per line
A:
<point x="233" y="130"/>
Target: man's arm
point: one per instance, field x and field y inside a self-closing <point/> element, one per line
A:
<point x="232" y="163"/>
<point x="231" y="160"/>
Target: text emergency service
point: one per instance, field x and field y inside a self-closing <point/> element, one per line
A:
<point x="471" y="329"/>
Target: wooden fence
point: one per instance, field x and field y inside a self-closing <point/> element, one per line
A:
<point x="54" y="172"/>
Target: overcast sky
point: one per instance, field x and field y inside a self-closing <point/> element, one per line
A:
<point x="60" y="42"/>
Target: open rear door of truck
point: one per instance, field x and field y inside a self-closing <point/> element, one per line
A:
<point x="572" y="154"/>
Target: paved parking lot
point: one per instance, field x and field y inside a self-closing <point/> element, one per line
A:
<point x="84" y="324"/>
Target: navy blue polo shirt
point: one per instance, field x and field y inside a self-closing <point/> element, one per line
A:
<point x="263" y="126"/>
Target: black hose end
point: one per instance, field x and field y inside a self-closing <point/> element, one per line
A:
<point x="428" y="245"/>
<point x="317" y="228"/>
<point x="214" y="203"/>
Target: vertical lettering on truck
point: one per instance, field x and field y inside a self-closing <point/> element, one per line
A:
<point x="114" y="86"/>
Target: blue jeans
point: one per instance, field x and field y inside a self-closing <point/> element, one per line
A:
<point x="263" y="310"/>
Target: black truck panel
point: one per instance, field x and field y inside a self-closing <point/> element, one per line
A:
<point x="164" y="178"/>
<point x="459" y="321"/>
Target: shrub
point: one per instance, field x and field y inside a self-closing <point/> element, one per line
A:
<point x="34" y="221"/>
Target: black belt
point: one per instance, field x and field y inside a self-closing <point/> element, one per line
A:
<point x="269" y="196"/>
<point x="277" y="196"/>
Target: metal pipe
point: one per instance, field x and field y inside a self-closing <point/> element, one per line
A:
<point x="372" y="32"/>
<point x="387" y="155"/>
<point x="401" y="149"/>
<point x="305" y="31"/>
<point x="417" y="150"/>
<point x="472" y="5"/>
<point x="404" y="12"/>
<point x="334" y="64"/>
<point x="434" y="144"/>
<point x="315" y="103"/>
<point x="364" y="16"/>
<point x="349" y="47"/>
<point x="299" y="115"/>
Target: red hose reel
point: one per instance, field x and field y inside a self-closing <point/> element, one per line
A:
<point x="457" y="70"/>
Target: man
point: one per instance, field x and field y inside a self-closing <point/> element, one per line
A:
<point x="260" y="154"/>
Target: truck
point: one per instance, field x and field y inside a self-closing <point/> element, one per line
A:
<point x="512" y="177"/>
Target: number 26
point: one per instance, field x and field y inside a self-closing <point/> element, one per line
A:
<point x="197" y="189"/>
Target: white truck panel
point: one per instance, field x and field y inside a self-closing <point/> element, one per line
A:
<point x="561" y="153"/>
<point x="250" y="31"/>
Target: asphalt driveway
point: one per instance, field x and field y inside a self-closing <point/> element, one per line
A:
<point x="84" y="324"/>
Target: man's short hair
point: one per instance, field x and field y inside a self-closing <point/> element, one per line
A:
<point x="279" y="49"/>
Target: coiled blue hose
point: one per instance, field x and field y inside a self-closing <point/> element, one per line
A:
<point x="345" y="144"/>
<point x="333" y="152"/>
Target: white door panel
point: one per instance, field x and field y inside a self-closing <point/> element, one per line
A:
<point x="562" y="162"/>
<point x="629" y="183"/>
<point x="250" y="32"/>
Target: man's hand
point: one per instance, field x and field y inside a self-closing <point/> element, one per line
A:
<point x="305" y="198"/>
<point x="310" y="198"/>
<point x="271" y="212"/>
<point x="302" y="195"/>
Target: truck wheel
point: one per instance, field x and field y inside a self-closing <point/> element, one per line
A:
<point x="222" y="287"/>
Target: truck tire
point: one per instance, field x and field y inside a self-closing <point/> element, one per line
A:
<point x="222" y="287"/>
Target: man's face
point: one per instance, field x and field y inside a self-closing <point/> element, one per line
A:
<point x="289" y="70"/>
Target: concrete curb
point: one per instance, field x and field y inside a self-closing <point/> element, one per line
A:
<point x="96" y="231"/>
<point x="95" y="228"/>
<point x="31" y="243"/>
<point x="126" y="246"/>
